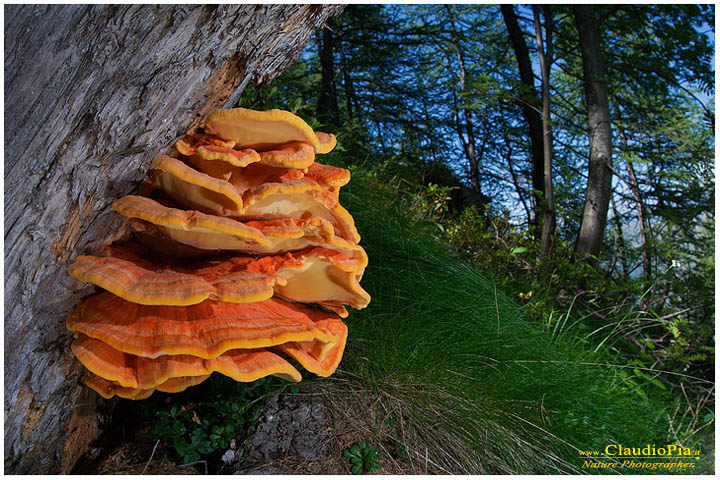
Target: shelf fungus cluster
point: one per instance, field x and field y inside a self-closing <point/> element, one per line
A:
<point x="241" y="257"/>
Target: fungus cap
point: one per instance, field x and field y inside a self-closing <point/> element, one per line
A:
<point x="126" y="274"/>
<point x="213" y="148"/>
<point x="145" y="373"/>
<point x="108" y="389"/>
<point x="328" y="175"/>
<point x="194" y="189"/>
<point x="260" y="130"/>
<point x="311" y="275"/>
<point x="275" y="166"/>
<point x="289" y="155"/>
<point x="205" y="330"/>
<point x="287" y="198"/>
<point x="206" y="147"/>
<point x="321" y="359"/>
<point x="327" y="142"/>
<point x="165" y="225"/>
<point x="253" y="187"/>
<point x="174" y="219"/>
<point x="326" y="277"/>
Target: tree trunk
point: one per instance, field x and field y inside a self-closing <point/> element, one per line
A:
<point x="642" y="219"/>
<point x="470" y="145"/>
<point x="92" y="93"/>
<point x="352" y="104"/>
<point x="327" y="107"/>
<point x="592" y="228"/>
<point x="514" y="177"/>
<point x="531" y="114"/>
<point x="621" y="248"/>
<point x="545" y="54"/>
<point x="640" y="208"/>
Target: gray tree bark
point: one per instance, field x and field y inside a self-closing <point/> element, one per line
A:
<point x="92" y="94"/>
<point x="530" y="112"/>
<point x="597" y="198"/>
<point x="546" y="53"/>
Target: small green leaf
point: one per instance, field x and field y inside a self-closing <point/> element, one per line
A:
<point x="362" y="457"/>
<point x="658" y="383"/>
<point x="206" y="448"/>
<point x="191" y="457"/>
<point x="180" y="445"/>
<point x="178" y="428"/>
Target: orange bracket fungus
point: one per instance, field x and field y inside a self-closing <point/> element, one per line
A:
<point x="261" y="131"/>
<point x="244" y="197"/>
<point x="241" y="257"/>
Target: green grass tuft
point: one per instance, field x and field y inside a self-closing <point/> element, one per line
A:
<point x="457" y="368"/>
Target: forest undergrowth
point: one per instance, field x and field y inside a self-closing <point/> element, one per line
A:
<point x="455" y="366"/>
<point x="516" y="387"/>
<point x="446" y="371"/>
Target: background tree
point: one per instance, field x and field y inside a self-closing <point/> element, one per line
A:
<point x="327" y="104"/>
<point x="599" y="183"/>
<point x="545" y="54"/>
<point x="529" y="102"/>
